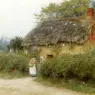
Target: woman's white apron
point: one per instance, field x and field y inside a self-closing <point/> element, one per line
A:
<point x="32" y="70"/>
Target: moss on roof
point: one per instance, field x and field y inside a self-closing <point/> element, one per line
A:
<point x="54" y="31"/>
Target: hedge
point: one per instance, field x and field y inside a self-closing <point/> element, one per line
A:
<point x="80" y="66"/>
<point x="10" y="62"/>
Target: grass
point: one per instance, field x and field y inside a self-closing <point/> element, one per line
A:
<point x="73" y="84"/>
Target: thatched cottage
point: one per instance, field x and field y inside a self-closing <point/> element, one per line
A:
<point x="57" y="37"/>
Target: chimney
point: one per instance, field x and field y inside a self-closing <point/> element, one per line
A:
<point x="90" y="14"/>
<point x="90" y="10"/>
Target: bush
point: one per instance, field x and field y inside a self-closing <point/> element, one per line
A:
<point x="80" y="66"/>
<point x="13" y="62"/>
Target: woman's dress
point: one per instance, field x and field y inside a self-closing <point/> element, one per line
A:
<point x="32" y="67"/>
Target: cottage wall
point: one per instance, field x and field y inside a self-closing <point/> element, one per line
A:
<point x="61" y="49"/>
<point x="44" y="51"/>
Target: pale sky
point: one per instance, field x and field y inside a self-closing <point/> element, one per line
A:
<point x="17" y="16"/>
<point x="92" y="3"/>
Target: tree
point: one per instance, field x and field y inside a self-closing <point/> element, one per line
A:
<point x="15" y="44"/>
<point x="72" y="8"/>
<point x="49" y="12"/>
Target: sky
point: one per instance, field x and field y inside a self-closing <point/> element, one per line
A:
<point x="92" y="3"/>
<point x="17" y="16"/>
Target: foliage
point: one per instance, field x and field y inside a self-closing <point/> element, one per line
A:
<point x="11" y="63"/>
<point x="80" y="66"/>
<point x="49" y="12"/>
<point x="15" y="43"/>
<point x="72" y="8"/>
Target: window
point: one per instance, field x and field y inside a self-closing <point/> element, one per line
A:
<point x="50" y="56"/>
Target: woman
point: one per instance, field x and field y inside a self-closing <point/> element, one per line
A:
<point x="32" y="66"/>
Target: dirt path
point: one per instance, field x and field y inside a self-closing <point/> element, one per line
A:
<point x="27" y="86"/>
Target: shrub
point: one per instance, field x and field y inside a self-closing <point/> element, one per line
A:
<point x="81" y="66"/>
<point x="13" y="62"/>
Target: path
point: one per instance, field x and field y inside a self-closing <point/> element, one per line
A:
<point x="26" y="86"/>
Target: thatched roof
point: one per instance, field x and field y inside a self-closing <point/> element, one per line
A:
<point x="52" y="32"/>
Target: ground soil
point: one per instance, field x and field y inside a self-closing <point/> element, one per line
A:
<point x="27" y="86"/>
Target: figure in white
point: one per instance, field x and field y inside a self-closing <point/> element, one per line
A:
<point x="32" y="66"/>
